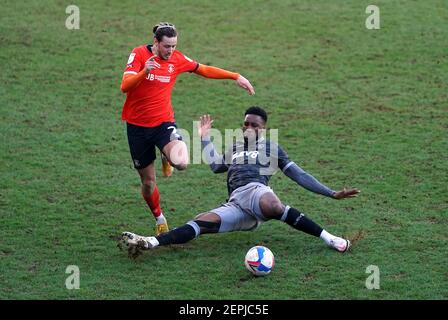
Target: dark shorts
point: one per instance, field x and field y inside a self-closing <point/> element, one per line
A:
<point x="142" y="141"/>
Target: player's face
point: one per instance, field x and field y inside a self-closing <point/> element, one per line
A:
<point x="252" y="125"/>
<point x="166" y="47"/>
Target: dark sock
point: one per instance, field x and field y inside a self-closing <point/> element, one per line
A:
<point x="178" y="235"/>
<point x="299" y="221"/>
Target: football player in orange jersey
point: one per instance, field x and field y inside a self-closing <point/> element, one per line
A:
<point x="148" y="80"/>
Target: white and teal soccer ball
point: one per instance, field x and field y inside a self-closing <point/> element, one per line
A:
<point x="259" y="260"/>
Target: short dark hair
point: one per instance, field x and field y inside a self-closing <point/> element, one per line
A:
<point x="164" y="29"/>
<point x="257" y="111"/>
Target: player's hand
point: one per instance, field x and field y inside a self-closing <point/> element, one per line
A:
<point x="245" y="84"/>
<point x="204" y="125"/>
<point x="151" y="64"/>
<point x="350" y="193"/>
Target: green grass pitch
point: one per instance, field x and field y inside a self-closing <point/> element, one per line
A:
<point x="354" y="107"/>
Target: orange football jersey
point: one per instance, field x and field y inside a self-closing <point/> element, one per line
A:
<point x="149" y="104"/>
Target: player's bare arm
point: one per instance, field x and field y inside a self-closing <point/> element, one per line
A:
<point x="205" y="125"/>
<point x="344" y="193"/>
<point x="245" y="84"/>
<point x="151" y="64"/>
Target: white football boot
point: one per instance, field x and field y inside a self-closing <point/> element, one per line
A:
<point x="340" y="244"/>
<point x="130" y="239"/>
<point x="134" y="240"/>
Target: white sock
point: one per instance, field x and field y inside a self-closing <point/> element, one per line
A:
<point x="160" y="219"/>
<point x="326" y="236"/>
<point x="153" y="242"/>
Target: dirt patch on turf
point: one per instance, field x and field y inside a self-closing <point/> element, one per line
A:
<point x="357" y="236"/>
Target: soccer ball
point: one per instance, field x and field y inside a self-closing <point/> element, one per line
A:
<point x="259" y="260"/>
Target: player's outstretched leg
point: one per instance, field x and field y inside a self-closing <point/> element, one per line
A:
<point x="299" y="221"/>
<point x="272" y="208"/>
<point x="179" y="235"/>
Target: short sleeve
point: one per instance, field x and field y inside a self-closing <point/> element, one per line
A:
<point x="186" y="64"/>
<point x="134" y="64"/>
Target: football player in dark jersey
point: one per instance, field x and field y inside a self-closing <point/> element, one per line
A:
<point x="249" y="165"/>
